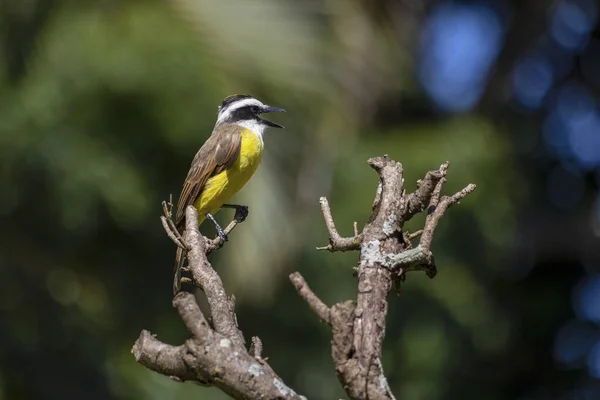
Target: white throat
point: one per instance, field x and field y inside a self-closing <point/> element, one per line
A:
<point x="255" y="126"/>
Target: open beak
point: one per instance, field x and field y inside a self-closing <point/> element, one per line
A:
<point x="269" y="109"/>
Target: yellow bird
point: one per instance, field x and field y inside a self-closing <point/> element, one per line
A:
<point x="224" y="164"/>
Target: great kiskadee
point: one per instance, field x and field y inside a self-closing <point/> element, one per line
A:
<point x="224" y="163"/>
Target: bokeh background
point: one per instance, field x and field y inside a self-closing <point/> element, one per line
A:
<point x="103" y="104"/>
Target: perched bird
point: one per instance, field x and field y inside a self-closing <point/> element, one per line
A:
<point x="224" y="163"/>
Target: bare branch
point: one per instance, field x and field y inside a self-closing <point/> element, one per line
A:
<point x="416" y="234"/>
<point x="191" y="315"/>
<point x="432" y="219"/>
<point x="213" y="356"/>
<point x="160" y="357"/>
<point x="421" y="197"/>
<point x="310" y="297"/>
<point x="336" y="242"/>
<point x="167" y="222"/>
<point x="170" y="234"/>
<point x="386" y="254"/>
<point x="216" y="362"/>
<point x="384" y="221"/>
<point x="256" y="348"/>
<point x="435" y="196"/>
<point x="416" y="259"/>
<point x="210" y="282"/>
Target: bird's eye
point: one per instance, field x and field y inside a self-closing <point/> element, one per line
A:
<point x="254" y="109"/>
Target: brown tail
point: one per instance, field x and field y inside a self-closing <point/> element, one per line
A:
<point x="179" y="261"/>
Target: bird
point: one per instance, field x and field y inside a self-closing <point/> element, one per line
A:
<point x="223" y="165"/>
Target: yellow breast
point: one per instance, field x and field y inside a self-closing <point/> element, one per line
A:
<point x="221" y="187"/>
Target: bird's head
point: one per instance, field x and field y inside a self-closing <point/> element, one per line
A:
<point x="245" y="109"/>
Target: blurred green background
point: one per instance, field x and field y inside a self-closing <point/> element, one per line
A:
<point x="103" y="104"/>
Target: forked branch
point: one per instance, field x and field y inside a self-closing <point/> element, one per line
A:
<point x="386" y="255"/>
<point x="215" y="354"/>
<point x="337" y="242"/>
<point x="211" y="244"/>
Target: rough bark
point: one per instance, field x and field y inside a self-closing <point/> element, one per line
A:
<point x="386" y="254"/>
<point x="215" y="354"/>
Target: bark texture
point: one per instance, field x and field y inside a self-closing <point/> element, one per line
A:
<point x="386" y="254"/>
<point x="215" y="354"/>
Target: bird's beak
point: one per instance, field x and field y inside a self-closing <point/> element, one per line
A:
<point x="269" y="109"/>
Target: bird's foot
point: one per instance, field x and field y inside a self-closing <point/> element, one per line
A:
<point x="241" y="212"/>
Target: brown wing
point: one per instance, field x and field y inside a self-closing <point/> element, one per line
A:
<point x="217" y="154"/>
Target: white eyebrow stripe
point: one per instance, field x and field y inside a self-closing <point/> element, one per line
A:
<point x="226" y="112"/>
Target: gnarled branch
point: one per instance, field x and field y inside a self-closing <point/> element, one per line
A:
<point x="337" y="242"/>
<point x="213" y="355"/>
<point x="386" y="253"/>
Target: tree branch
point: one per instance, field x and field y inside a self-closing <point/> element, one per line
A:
<point x="336" y="242"/>
<point x="213" y="356"/>
<point x="191" y="316"/>
<point x="160" y="357"/>
<point x="420" y="198"/>
<point x="314" y="302"/>
<point x="358" y="328"/>
<point x="432" y="219"/>
<point x="208" y="280"/>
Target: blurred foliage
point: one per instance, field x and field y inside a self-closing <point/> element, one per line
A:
<point x="104" y="103"/>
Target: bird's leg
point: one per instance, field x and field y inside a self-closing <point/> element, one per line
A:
<point x="241" y="212"/>
<point x="220" y="231"/>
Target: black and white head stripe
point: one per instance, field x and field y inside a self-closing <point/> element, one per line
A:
<point x="232" y="99"/>
<point x="238" y="107"/>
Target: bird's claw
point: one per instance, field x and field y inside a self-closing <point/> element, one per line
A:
<point x="241" y="213"/>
